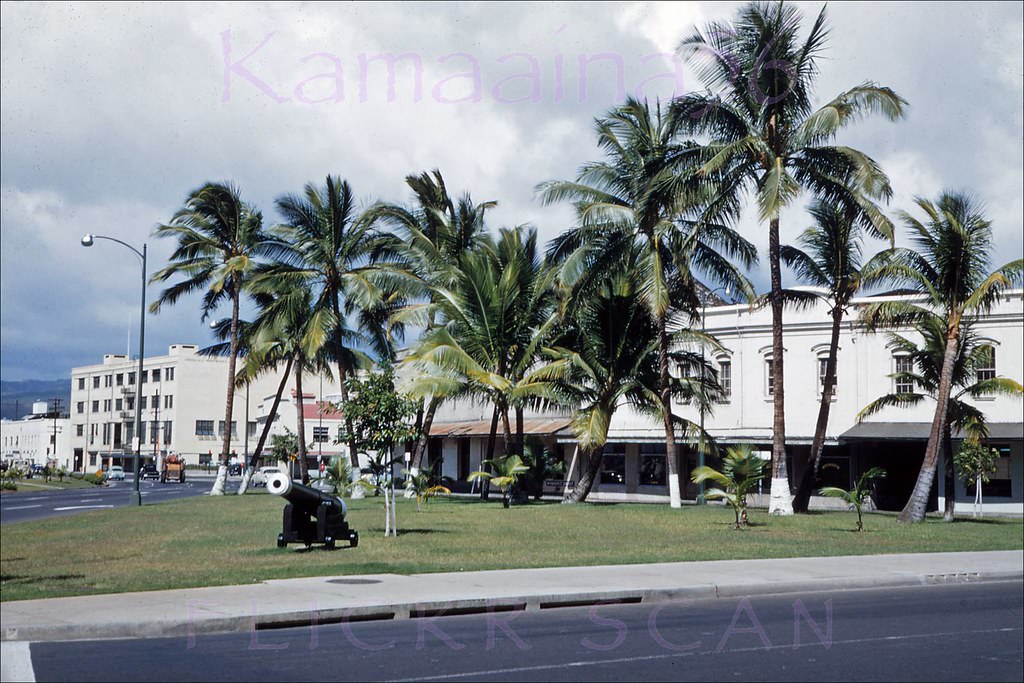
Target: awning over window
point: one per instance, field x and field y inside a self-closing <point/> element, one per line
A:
<point x="919" y="431"/>
<point x="535" y="427"/>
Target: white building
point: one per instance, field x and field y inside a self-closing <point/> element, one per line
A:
<point x="41" y="438"/>
<point x="633" y="465"/>
<point x="182" y="406"/>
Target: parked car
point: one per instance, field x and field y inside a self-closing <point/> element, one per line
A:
<point x="116" y="472"/>
<point x="149" y="471"/>
<point x="264" y="473"/>
<point x="234" y="469"/>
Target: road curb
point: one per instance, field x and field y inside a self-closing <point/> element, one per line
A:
<point x="527" y="601"/>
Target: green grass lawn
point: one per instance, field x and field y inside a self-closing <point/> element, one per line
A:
<point x="40" y="484"/>
<point x="232" y="540"/>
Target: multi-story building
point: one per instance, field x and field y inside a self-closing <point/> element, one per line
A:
<point x="633" y="462"/>
<point x="38" y="439"/>
<point x="182" y="403"/>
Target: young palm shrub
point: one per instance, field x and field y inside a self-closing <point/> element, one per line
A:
<point x="741" y="470"/>
<point x="421" y="483"/>
<point x="764" y="137"/>
<point x="504" y="473"/>
<point x="859" y="493"/>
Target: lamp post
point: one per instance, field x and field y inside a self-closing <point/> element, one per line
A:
<point x="87" y="241"/>
<point x="703" y="397"/>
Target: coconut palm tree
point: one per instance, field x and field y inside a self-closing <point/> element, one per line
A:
<point x="762" y="135"/>
<point x="858" y="494"/>
<point x="323" y="247"/>
<point x="831" y="259"/>
<point x="741" y="470"/>
<point x="434" y="234"/>
<point x="504" y="473"/>
<point x="219" y="238"/>
<point x="928" y="359"/>
<point x="636" y="199"/>
<point x="497" y="315"/>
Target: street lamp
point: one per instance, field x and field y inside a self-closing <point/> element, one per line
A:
<point x="702" y="448"/>
<point x="87" y="241"/>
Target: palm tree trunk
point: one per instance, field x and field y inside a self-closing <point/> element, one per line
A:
<point x="492" y="436"/>
<point x="424" y="439"/>
<point x="802" y="498"/>
<point x="781" y="503"/>
<point x="265" y="432"/>
<point x="508" y="444"/>
<point x="916" y="507"/>
<point x="674" y="497"/>
<point x="343" y="374"/>
<point x="587" y="477"/>
<point x="300" y="421"/>
<point x="520" y="437"/>
<point x="229" y="403"/>
<point x="947" y="456"/>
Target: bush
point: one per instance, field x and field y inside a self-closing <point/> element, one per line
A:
<point x="95" y="478"/>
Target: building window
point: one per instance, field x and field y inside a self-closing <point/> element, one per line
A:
<point x="106" y="405"/>
<point x="129" y="432"/>
<point x="156" y="374"/>
<point x="142" y="432"/>
<point x="652" y="464"/>
<point x="613" y="464"/>
<point x="167" y="432"/>
<point x="168" y="402"/>
<point x="79" y="430"/>
<point x="131" y="378"/>
<point x="145" y="376"/>
<point x="822" y="370"/>
<point x="168" y="374"/>
<point x="106" y="433"/>
<point x="119" y="379"/>
<point x="725" y="378"/>
<point x="142" y="402"/>
<point x="107" y="380"/>
<point x="769" y="377"/>
<point x="904" y="366"/>
<point x="129" y="403"/>
<point x="204" y="427"/>
<point x="987" y="367"/>
<point x="251" y="429"/>
<point x="234" y="429"/>
<point x="80" y="407"/>
<point x="81" y="384"/>
<point x="118" y="404"/>
<point x="96" y="382"/>
<point x="320" y="434"/>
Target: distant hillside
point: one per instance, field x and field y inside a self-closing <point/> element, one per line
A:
<point x="16" y="398"/>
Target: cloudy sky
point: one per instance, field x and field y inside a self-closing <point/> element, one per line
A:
<point x="111" y="114"/>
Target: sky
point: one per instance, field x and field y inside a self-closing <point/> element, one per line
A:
<point x="110" y="114"/>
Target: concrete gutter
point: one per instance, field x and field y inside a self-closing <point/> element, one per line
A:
<point x="332" y="599"/>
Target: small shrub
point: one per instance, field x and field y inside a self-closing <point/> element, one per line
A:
<point x="95" y="478"/>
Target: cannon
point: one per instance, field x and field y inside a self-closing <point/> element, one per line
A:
<point x="310" y="516"/>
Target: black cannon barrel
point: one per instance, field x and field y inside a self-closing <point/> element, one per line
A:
<point x="300" y="495"/>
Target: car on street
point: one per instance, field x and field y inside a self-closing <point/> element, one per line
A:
<point x="235" y="469"/>
<point x="116" y="472"/>
<point x="264" y="473"/>
<point x="149" y="471"/>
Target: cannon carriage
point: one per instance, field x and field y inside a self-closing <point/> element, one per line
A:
<point x="310" y="516"/>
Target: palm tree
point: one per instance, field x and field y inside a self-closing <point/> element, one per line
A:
<point x="636" y="199"/>
<point x="831" y="259"/>
<point x="496" y="315"/>
<point x="741" y="470"/>
<point x="219" y="238"/>
<point x="972" y="353"/>
<point x="324" y="248"/>
<point x="435" y="234"/>
<point x="858" y="494"/>
<point x="764" y="136"/>
<point x="504" y="473"/>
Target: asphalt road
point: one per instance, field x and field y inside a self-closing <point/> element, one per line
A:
<point x="30" y="504"/>
<point x="934" y="633"/>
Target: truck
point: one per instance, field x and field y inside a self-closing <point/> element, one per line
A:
<point x="174" y="469"/>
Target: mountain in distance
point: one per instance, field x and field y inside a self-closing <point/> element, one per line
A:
<point x="16" y="398"/>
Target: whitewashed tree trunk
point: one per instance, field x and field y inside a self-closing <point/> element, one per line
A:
<point x="220" y="481"/>
<point x="243" y="485"/>
<point x="977" y="497"/>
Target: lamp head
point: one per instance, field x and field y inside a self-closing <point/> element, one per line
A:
<point x="87" y="240"/>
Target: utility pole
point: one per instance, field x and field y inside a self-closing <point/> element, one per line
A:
<point x="53" y="437"/>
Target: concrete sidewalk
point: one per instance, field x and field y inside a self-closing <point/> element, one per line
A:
<point x="323" y="600"/>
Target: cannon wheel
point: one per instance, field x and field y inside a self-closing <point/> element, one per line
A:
<point x="280" y="541"/>
<point x="329" y="542"/>
<point x="353" y="538"/>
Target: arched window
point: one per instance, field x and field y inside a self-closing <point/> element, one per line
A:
<point x="987" y="368"/>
